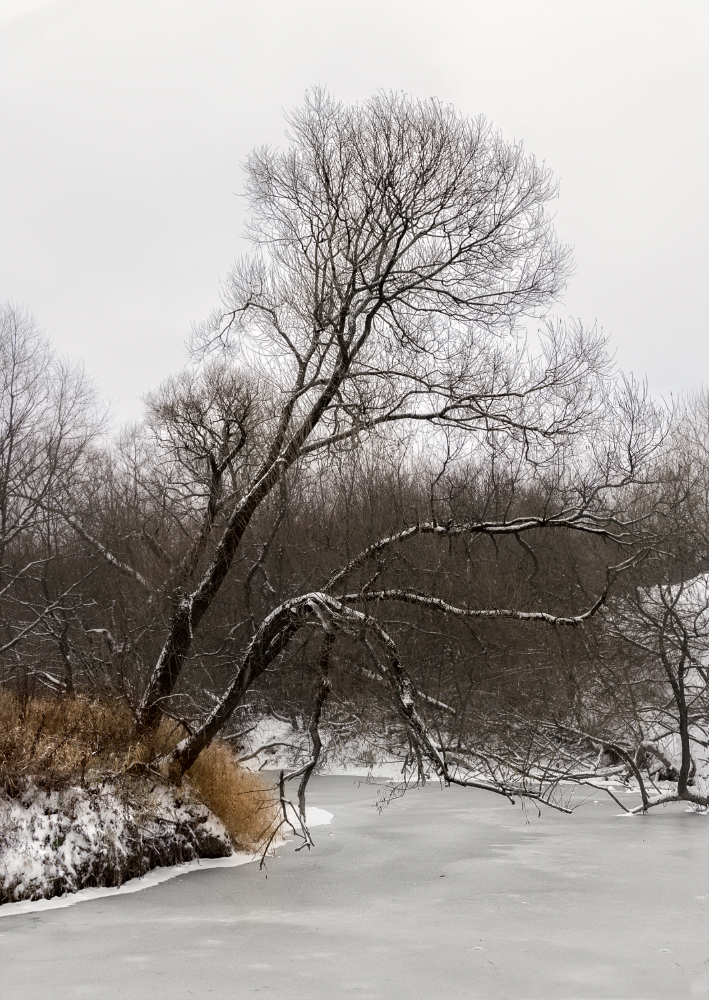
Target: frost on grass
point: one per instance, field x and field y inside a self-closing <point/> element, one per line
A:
<point x="52" y="842"/>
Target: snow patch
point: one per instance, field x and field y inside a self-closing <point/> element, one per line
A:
<point x="313" y="816"/>
<point x="277" y="745"/>
<point x="318" y="817"/>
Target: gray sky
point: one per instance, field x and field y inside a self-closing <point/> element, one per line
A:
<point x="124" y="123"/>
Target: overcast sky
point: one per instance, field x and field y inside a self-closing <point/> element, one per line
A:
<point x="124" y="122"/>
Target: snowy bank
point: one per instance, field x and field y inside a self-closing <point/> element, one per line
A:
<point x="80" y="837"/>
<point x="314" y="816"/>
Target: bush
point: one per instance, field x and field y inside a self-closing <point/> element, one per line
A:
<point x="244" y="801"/>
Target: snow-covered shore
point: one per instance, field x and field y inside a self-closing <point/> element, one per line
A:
<point x="67" y="840"/>
<point x="79" y="837"/>
<point x="61" y="847"/>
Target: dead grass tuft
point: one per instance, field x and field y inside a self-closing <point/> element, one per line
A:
<point x="244" y="801"/>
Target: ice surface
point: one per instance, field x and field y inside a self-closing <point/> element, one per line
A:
<point x="446" y="894"/>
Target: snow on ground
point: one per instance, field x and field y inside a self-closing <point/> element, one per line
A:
<point x="317" y="817"/>
<point x="284" y="748"/>
<point x="40" y="863"/>
<point x="74" y="838"/>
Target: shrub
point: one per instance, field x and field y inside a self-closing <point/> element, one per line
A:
<point x="243" y="800"/>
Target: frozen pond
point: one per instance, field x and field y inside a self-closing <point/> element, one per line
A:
<point x="447" y="894"/>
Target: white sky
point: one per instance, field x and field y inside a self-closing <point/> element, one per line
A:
<point x="124" y="122"/>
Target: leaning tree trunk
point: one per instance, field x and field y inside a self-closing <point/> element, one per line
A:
<point x="190" y="610"/>
<point x="324" y="612"/>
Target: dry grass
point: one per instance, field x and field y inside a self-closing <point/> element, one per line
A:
<point x="244" y="801"/>
<point x="57" y="742"/>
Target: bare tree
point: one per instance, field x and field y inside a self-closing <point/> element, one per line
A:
<point x="385" y="235"/>
<point x="668" y="625"/>
<point x="395" y="244"/>
<point x="655" y="692"/>
<point x="48" y="419"/>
